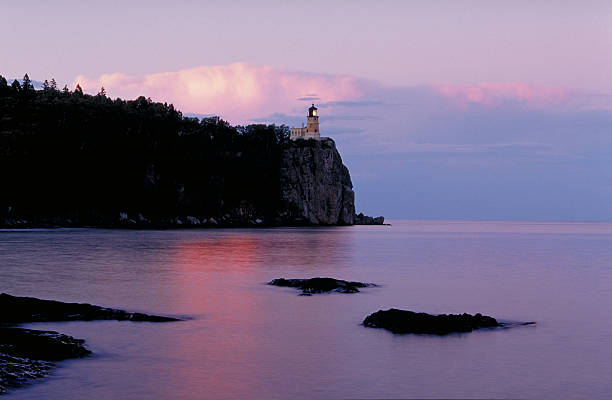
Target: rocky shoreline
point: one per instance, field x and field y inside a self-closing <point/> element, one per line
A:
<point x="126" y="221"/>
<point x="27" y="354"/>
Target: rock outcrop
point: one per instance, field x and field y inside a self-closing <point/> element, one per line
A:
<point x="401" y="321"/>
<point x="320" y="285"/>
<point x="27" y="354"/>
<point x="316" y="188"/>
<point x="29" y="309"/>
<point x="40" y="345"/>
<point x="361" y="219"/>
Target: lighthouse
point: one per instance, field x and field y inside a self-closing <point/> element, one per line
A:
<point x="311" y="130"/>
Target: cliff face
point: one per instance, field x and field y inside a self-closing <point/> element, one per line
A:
<point x="308" y="185"/>
<point x="315" y="186"/>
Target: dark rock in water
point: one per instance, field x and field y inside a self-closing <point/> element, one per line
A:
<point x="29" y="309"/>
<point x="27" y="354"/>
<point x="40" y="345"/>
<point x="361" y="219"/>
<point x="321" y="285"/>
<point x="401" y="321"/>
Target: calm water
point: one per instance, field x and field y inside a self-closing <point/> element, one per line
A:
<point x="249" y="340"/>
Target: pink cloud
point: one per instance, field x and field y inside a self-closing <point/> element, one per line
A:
<point x="494" y="94"/>
<point x="237" y="92"/>
<point x="241" y="92"/>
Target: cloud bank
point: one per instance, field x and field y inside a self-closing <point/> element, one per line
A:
<point x="238" y="92"/>
<point x="241" y="92"/>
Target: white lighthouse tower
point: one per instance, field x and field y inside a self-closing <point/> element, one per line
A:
<point x="311" y="130"/>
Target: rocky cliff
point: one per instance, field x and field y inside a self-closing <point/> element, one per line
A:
<point x="307" y="185"/>
<point x="316" y="188"/>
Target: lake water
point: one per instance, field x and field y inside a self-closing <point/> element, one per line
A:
<point x="245" y="339"/>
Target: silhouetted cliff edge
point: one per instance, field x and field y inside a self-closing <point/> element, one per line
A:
<point x="71" y="159"/>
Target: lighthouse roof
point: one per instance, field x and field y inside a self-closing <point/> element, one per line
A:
<point x="313" y="107"/>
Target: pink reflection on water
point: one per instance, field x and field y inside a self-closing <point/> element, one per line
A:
<point x="209" y="269"/>
<point x="215" y="253"/>
<point x="243" y="330"/>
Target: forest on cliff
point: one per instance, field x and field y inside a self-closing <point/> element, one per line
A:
<point x="66" y="154"/>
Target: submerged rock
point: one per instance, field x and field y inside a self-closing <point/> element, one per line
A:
<point x="321" y="285"/>
<point x="401" y="321"/>
<point x="29" y="309"/>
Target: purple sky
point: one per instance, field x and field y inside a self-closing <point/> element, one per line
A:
<point x="459" y="109"/>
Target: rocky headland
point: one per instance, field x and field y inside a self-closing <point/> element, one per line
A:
<point x="26" y="354"/>
<point x="314" y="187"/>
<point x="68" y="159"/>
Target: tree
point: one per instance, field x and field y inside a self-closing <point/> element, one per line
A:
<point x="102" y="92"/>
<point x="46" y="85"/>
<point x="3" y="85"/>
<point x="27" y="83"/>
<point x="162" y="163"/>
<point x="78" y="89"/>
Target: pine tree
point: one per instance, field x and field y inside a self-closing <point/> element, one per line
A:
<point x="27" y="83"/>
<point x="46" y="85"/>
<point x="78" y="89"/>
<point x="65" y="89"/>
<point x="102" y="92"/>
<point x="3" y="87"/>
<point x="16" y="86"/>
<point x="53" y="84"/>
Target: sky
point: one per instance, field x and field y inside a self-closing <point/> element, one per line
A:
<point x="440" y="109"/>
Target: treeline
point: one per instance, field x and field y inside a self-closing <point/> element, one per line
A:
<point x="88" y="158"/>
